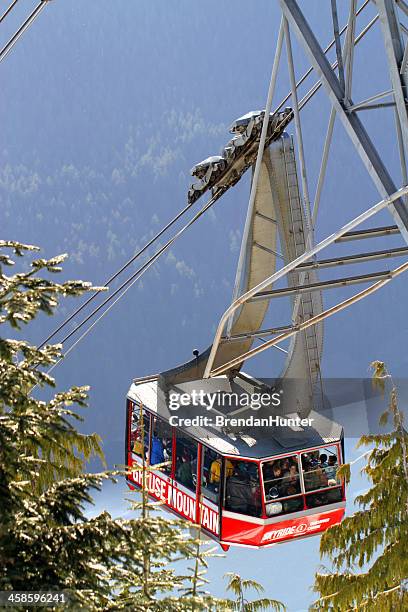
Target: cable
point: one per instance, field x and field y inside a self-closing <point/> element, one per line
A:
<point x="145" y="266"/>
<point x="159" y="234"/>
<point x="140" y="271"/>
<point x="7" y="11"/>
<point x="112" y="278"/>
<point x="133" y="278"/>
<point x="126" y="265"/>
<point x="8" y="47"/>
<point x="326" y="50"/>
<point x="129" y="283"/>
<point x="86" y="332"/>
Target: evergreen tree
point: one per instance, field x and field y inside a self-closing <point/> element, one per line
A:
<point x="22" y="296"/>
<point x="47" y="541"/>
<point x="155" y="577"/>
<point x="369" y="549"/>
<point x="238" y="586"/>
<point x="200" y="598"/>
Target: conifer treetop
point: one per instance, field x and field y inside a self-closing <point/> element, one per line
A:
<point x="368" y="549"/>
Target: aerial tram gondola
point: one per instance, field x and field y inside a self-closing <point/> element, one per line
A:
<point x="289" y="473"/>
<point x="244" y="485"/>
<point x="218" y="465"/>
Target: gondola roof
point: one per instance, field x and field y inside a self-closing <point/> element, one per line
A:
<point x="244" y="441"/>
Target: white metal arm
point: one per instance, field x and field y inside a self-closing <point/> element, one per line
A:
<point x="293" y="264"/>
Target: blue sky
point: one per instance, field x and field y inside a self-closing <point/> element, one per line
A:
<point x="107" y="106"/>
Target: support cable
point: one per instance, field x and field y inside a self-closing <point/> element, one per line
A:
<point x="7" y="11"/>
<point x="120" y="291"/>
<point x="340" y="66"/>
<point x="210" y="202"/>
<point x="8" y="46"/>
<point x="114" y="276"/>
<point x="302" y="103"/>
<point x="327" y="49"/>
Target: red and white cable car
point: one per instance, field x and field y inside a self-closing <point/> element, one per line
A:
<point x="247" y="479"/>
<point x="246" y="485"/>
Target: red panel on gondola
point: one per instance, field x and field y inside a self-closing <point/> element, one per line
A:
<point x="176" y="498"/>
<point x="260" y="534"/>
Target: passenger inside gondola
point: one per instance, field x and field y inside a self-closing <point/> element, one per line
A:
<point x="320" y="477"/>
<point x="313" y="476"/>
<point x="282" y="486"/>
<point x="331" y="469"/>
<point x="291" y="480"/>
<point x="278" y="475"/>
<point x="186" y="461"/>
<point x="242" y="490"/>
<point x="215" y="471"/>
<point x="161" y="445"/>
<point x="210" y="474"/>
<point x="238" y="494"/>
<point x="184" y="474"/>
<point x="157" y="450"/>
<point x="285" y="466"/>
<point x="136" y="442"/>
<point x="323" y="460"/>
<point x="214" y="475"/>
<point x="137" y="425"/>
